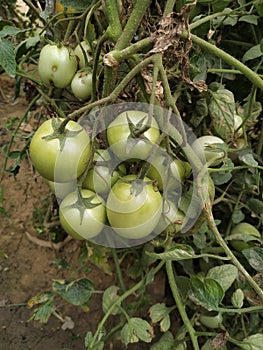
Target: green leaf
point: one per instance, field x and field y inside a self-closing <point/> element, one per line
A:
<point x="160" y="313"/>
<point x="220" y="5"/>
<point x="252" y="19"/>
<point x="252" y="53"/>
<point x="166" y="342"/>
<point x="237" y="298"/>
<point x="10" y="31"/>
<point x="237" y="216"/>
<point x="178" y="252"/>
<point x="98" y="345"/>
<point x="222" y="109"/>
<point x="254" y="256"/>
<point x="247" y="157"/>
<point x="255" y="205"/>
<point x="224" y="275"/>
<point x="77" y="292"/>
<point x="253" y="342"/>
<point x="136" y="329"/>
<point x="222" y="177"/>
<point x="207" y="293"/>
<point x="7" y="57"/>
<point x="109" y="297"/>
<point x="43" y="312"/>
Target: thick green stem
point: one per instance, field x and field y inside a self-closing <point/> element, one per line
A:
<point x="232" y="61"/>
<point x="132" y="24"/>
<point x="180" y="305"/>
<point x="114" y="29"/>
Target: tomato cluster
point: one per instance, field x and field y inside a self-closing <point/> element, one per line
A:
<point x="127" y="186"/>
<point x="62" y="66"/>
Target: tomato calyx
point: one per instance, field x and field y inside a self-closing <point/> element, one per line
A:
<point x="138" y="130"/>
<point x="82" y="204"/>
<point x="60" y="132"/>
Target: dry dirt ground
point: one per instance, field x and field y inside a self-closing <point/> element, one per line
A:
<point x="27" y="268"/>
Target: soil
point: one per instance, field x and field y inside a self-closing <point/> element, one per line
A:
<point x="27" y="268"/>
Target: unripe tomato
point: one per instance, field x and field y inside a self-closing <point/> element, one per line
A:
<point x="83" y="46"/>
<point x="57" y="64"/>
<point x="60" y="157"/>
<point x="82" y="217"/>
<point x="171" y="217"/>
<point x="211" y="320"/>
<point x="206" y="145"/>
<point x="134" y="207"/>
<point x="124" y="135"/>
<point x="244" y="236"/>
<point x="102" y="177"/>
<point x="237" y="123"/>
<point x="81" y="85"/>
<point x="165" y="170"/>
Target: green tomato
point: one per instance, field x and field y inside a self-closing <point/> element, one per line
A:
<point x="54" y="160"/>
<point x="244" y="236"/>
<point x="211" y="319"/>
<point x="102" y="177"/>
<point x="82" y="217"/>
<point x="122" y="139"/>
<point x="83" y="49"/>
<point x="171" y="217"/>
<point x="81" y="85"/>
<point x="166" y="170"/>
<point x="237" y="123"/>
<point x="134" y="207"/>
<point x="207" y="146"/>
<point x="57" y="64"/>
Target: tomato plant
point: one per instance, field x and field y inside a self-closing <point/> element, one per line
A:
<point x="170" y="93"/>
<point x="134" y="207"/>
<point x="60" y="156"/>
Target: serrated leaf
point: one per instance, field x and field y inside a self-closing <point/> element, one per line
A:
<point x="254" y="256"/>
<point x="7" y="57"/>
<point x="222" y="109"/>
<point x="207" y="293"/>
<point x="252" y="53"/>
<point x="136" y="329"/>
<point x="178" y="252"/>
<point x="225" y="275"/>
<point x="77" y="292"/>
<point x="109" y="297"/>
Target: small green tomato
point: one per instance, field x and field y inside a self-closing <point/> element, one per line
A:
<point x="81" y="85"/>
